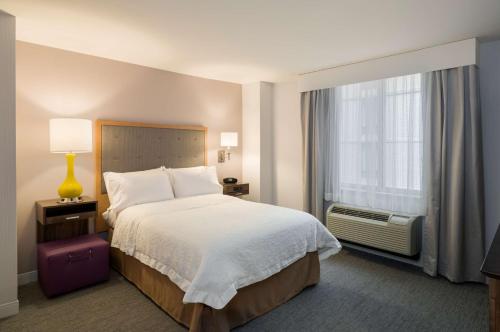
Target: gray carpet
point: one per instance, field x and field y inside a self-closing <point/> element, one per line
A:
<point x="357" y="292"/>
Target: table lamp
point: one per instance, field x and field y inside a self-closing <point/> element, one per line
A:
<point x="70" y="136"/>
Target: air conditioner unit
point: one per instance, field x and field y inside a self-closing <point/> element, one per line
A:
<point x="375" y="228"/>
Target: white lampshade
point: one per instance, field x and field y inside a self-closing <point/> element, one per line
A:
<point x="70" y="135"/>
<point x="229" y="139"/>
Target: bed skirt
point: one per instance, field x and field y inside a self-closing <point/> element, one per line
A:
<point x="250" y="302"/>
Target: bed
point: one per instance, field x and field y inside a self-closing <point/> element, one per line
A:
<point x="212" y="262"/>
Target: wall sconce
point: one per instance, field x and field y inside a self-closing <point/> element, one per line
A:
<point x="227" y="140"/>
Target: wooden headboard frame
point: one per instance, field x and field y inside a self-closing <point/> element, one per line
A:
<point x="102" y="198"/>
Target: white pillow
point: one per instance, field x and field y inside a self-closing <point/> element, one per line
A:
<point x="193" y="170"/>
<point x="194" y="181"/>
<point x="133" y="188"/>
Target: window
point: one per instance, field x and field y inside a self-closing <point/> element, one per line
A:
<point x="378" y="144"/>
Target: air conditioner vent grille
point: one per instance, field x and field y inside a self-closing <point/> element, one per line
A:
<point x="361" y="214"/>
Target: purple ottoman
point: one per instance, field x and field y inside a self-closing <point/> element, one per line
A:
<point x="66" y="265"/>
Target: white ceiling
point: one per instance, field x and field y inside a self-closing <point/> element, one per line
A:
<point x="253" y="40"/>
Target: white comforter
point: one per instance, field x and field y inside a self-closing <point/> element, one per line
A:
<point x="212" y="245"/>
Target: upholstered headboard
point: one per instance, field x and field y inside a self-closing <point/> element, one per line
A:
<point x="133" y="146"/>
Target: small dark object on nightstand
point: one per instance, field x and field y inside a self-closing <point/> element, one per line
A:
<point x="230" y="180"/>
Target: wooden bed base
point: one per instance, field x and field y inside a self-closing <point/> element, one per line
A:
<point x="250" y="302"/>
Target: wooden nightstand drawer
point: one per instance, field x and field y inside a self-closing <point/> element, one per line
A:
<point x="236" y="189"/>
<point x="50" y="212"/>
<point x="69" y="217"/>
<point x="56" y="221"/>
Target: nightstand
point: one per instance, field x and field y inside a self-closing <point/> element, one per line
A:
<point x="57" y="221"/>
<point x="236" y="189"/>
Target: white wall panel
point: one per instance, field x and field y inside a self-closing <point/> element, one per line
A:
<point x="9" y="304"/>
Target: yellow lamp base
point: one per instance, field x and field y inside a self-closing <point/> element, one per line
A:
<point x="70" y="189"/>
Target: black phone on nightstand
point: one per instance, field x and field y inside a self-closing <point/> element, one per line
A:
<point x="229" y="180"/>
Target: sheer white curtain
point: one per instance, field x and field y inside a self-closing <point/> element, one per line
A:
<point x="375" y="153"/>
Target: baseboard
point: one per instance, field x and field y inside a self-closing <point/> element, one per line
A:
<point x="9" y="309"/>
<point x="26" y="278"/>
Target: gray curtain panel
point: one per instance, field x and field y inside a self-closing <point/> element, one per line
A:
<point x="454" y="228"/>
<point x="316" y="114"/>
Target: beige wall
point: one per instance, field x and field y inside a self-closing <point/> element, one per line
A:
<point x="54" y="83"/>
<point x="287" y="146"/>
<point x="251" y="138"/>
<point x="272" y="143"/>
<point x="266" y="143"/>
<point x="257" y="140"/>
<point x="8" y="264"/>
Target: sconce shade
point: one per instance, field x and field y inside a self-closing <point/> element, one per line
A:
<point x="70" y="135"/>
<point x="228" y="139"/>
